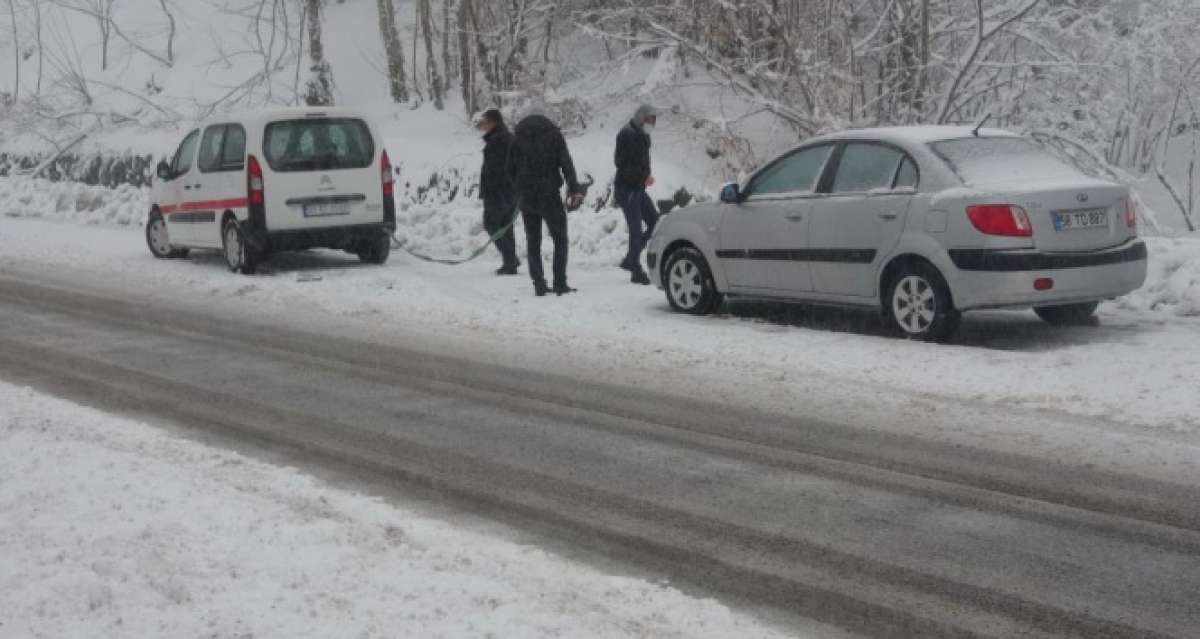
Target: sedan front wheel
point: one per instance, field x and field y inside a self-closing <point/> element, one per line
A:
<point x="689" y="283"/>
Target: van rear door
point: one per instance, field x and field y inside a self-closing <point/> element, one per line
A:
<point x="321" y="172"/>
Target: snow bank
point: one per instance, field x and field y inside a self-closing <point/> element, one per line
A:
<point x="1173" y="282"/>
<point x="113" y="528"/>
<point x="26" y="197"/>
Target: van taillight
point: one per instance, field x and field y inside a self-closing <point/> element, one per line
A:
<point x="1001" y="219"/>
<point x="1130" y="213"/>
<point x="389" y="182"/>
<point x="254" y="181"/>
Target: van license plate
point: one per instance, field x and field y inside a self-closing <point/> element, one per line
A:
<point x="1081" y="219"/>
<point x="326" y="209"/>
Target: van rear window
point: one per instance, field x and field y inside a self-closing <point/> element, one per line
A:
<point x="313" y="144"/>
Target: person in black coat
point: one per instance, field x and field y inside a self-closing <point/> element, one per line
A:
<point x="496" y="189"/>
<point x="632" y="158"/>
<point x="538" y="164"/>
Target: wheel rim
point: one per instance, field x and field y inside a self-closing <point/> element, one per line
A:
<point x="914" y="304"/>
<point x="159" y="241"/>
<point x="233" y="247"/>
<point x="686" y="287"/>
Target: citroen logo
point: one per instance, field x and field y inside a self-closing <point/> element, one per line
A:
<point x="1082" y="197"/>
<point x="326" y="183"/>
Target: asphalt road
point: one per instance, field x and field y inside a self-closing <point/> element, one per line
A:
<point x="880" y="534"/>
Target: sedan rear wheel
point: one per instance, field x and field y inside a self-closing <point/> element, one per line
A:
<point x="919" y="305"/>
<point x="689" y="283"/>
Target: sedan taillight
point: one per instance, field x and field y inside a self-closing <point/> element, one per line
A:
<point x="1001" y="219"/>
<point x="1130" y="213"/>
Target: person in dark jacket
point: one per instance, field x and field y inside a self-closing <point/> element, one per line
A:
<point x="496" y="189"/>
<point x="629" y="187"/>
<point x="538" y="164"/>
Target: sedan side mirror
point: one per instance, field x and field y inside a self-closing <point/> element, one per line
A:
<point x="731" y="193"/>
<point x="164" y="171"/>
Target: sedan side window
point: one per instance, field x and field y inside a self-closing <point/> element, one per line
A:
<point x="867" y="167"/>
<point x="907" y="177"/>
<point x="186" y="154"/>
<point x="796" y="173"/>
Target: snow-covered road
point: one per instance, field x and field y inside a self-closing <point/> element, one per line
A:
<point x="112" y="528"/>
<point x="1121" y="394"/>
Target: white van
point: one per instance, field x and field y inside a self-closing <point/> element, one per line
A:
<point x="280" y="180"/>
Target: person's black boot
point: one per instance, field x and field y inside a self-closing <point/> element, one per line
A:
<point x="639" y="277"/>
<point x="562" y="289"/>
<point x="508" y="269"/>
<point x="539" y="289"/>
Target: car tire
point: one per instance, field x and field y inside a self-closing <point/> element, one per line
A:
<point x="158" y="240"/>
<point x="689" y="284"/>
<point x="919" y="306"/>
<point x="1067" y="314"/>
<point x="238" y="256"/>
<point x="375" y="250"/>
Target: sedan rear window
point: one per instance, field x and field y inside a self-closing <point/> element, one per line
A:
<point x="323" y="144"/>
<point x="979" y="161"/>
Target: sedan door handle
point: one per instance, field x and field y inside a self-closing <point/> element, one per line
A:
<point x="889" y="215"/>
<point x="795" y="217"/>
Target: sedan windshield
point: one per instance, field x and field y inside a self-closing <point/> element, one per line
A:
<point x="983" y="161"/>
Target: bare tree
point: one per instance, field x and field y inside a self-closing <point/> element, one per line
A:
<point x="436" y="90"/>
<point x="319" y="91"/>
<point x="12" y="8"/>
<point x="171" y="33"/>
<point x="393" y="49"/>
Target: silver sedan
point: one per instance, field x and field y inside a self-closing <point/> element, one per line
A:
<point x="922" y="223"/>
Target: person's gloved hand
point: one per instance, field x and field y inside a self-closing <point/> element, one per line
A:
<point x="574" y="201"/>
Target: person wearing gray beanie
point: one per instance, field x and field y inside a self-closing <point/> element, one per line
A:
<point x="634" y="176"/>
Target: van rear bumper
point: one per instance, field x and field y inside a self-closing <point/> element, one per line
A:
<point x="334" y="237"/>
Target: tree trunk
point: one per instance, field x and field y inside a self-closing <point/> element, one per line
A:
<point x="436" y="90"/>
<point x="320" y="83"/>
<point x="447" y="63"/>
<point x="171" y="33"/>
<point x="12" y="8"/>
<point x="394" y="50"/>
<point x="466" y="68"/>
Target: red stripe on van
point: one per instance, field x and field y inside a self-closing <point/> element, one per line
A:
<point x="205" y="205"/>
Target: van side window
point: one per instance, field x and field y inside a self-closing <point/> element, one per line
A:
<point x="210" y="149"/>
<point x="186" y="154"/>
<point x="233" y="153"/>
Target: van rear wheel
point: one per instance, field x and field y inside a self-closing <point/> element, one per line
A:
<point x="376" y="249"/>
<point x="238" y="256"/>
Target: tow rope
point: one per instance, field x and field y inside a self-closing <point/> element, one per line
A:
<point x="400" y="244"/>
<point x="587" y="182"/>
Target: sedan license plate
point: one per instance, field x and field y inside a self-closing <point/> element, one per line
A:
<point x="1080" y="219"/>
<point x="326" y="209"/>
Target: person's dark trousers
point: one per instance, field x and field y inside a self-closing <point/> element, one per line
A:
<point x="639" y="210"/>
<point x="495" y="219"/>
<point x="546" y="208"/>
